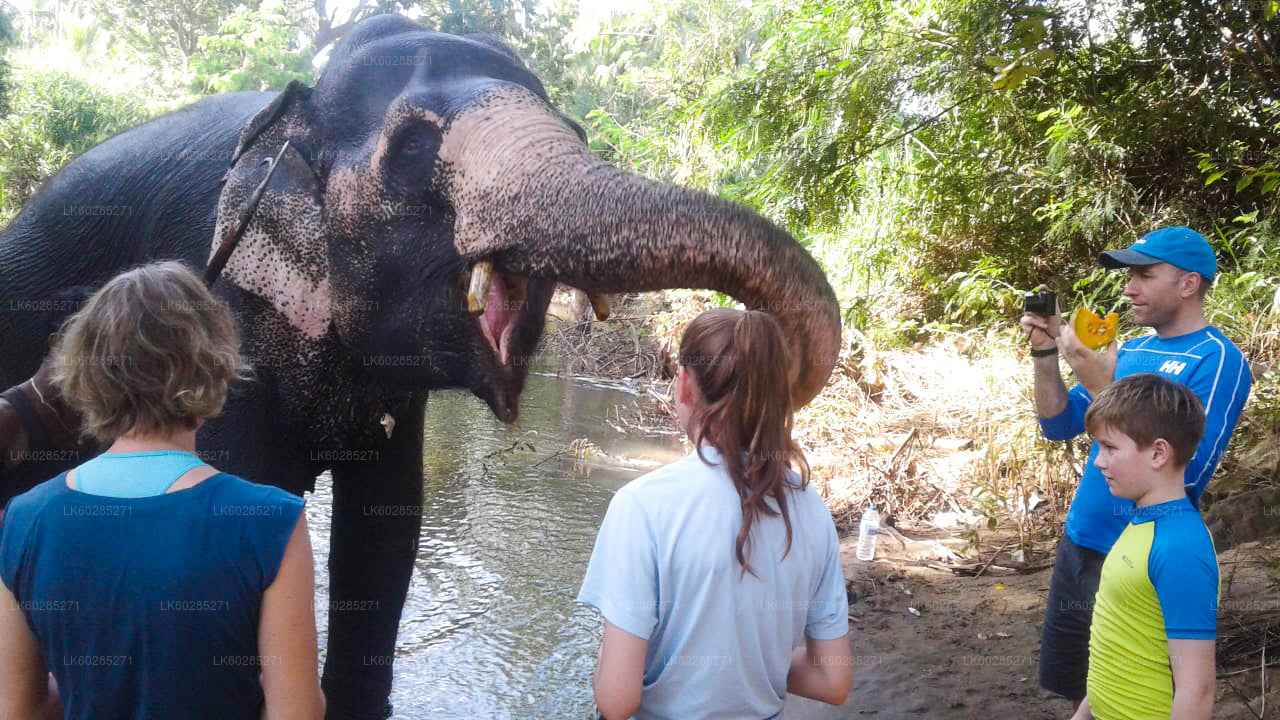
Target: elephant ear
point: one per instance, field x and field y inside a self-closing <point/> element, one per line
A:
<point x="281" y="256"/>
<point x="291" y="100"/>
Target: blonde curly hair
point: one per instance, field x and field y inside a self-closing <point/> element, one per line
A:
<point x="152" y="351"/>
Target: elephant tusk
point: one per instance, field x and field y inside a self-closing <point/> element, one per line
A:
<point x="388" y="424"/>
<point x="481" y="278"/>
<point x="600" y="304"/>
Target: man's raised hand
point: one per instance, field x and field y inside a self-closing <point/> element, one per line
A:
<point x="1040" y="329"/>
<point x="1095" y="370"/>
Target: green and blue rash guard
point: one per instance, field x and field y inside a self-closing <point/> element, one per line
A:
<point x="1208" y="363"/>
<point x="1160" y="581"/>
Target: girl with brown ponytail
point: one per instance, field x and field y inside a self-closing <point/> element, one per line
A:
<point x="719" y="575"/>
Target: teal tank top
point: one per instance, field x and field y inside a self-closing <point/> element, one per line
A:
<point x="134" y="474"/>
<point x="163" y="594"/>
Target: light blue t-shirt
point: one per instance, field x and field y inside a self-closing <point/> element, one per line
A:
<point x="720" y="641"/>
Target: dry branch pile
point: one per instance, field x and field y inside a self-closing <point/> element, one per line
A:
<point x="943" y="428"/>
<point x="948" y="428"/>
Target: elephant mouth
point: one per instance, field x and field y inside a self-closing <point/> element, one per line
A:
<point x="496" y="299"/>
<point x="507" y="310"/>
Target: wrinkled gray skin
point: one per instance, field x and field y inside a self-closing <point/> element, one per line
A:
<point x="416" y="155"/>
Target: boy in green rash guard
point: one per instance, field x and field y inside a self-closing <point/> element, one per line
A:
<point x="1151" y="643"/>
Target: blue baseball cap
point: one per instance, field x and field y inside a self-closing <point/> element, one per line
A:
<point x="1179" y="246"/>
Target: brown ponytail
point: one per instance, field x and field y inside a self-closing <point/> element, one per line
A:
<point x="739" y="362"/>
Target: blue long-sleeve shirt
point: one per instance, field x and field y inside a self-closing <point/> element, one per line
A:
<point x="1204" y="360"/>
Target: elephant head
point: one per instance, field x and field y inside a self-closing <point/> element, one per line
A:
<point x="422" y="161"/>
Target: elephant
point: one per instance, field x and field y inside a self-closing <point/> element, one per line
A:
<point x="419" y="204"/>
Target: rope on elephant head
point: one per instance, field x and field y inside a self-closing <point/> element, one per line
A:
<point x="231" y="238"/>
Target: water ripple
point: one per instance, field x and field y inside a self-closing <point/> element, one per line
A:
<point x="490" y="628"/>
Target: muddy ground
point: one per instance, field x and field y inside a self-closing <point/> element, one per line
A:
<point x="972" y="649"/>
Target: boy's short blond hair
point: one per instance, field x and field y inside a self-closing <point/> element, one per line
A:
<point x="1147" y="407"/>
<point x="152" y="351"/>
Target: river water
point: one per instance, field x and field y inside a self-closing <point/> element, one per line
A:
<point x="490" y="629"/>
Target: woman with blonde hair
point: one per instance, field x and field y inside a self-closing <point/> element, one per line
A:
<point x="719" y="575"/>
<point x="150" y="584"/>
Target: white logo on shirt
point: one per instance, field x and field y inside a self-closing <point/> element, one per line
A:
<point x="1173" y="367"/>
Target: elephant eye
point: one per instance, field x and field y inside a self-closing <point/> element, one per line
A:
<point x="411" y="158"/>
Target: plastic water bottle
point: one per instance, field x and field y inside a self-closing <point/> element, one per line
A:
<point x="867" y="531"/>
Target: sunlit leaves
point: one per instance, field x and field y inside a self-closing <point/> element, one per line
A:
<point x="54" y="117"/>
<point x="1022" y="54"/>
<point x="252" y="50"/>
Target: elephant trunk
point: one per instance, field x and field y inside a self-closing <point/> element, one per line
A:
<point x="539" y="203"/>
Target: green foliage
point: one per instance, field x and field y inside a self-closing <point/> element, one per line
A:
<point x="937" y="154"/>
<point x="85" y="34"/>
<point x="1245" y="300"/>
<point x="499" y="18"/>
<point x="54" y="118"/>
<point x="251" y="50"/>
<point x="544" y="46"/>
<point x="980" y="297"/>
<point x="166" y="32"/>
<point x="7" y="37"/>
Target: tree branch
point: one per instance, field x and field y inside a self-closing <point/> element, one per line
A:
<point x="1229" y="37"/>
<point x="863" y="155"/>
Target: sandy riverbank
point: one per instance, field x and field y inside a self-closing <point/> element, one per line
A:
<point x="941" y="437"/>
<point x="972" y="649"/>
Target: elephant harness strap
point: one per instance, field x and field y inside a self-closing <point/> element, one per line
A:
<point x="232" y="236"/>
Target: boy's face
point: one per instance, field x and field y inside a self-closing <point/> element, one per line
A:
<point x="1126" y="467"/>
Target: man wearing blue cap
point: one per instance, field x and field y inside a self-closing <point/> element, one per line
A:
<point x="1170" y="271"/>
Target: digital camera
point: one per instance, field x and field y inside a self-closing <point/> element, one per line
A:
<point x="1042" y="302"/>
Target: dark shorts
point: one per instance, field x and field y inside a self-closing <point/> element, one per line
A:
<point x="1064" y="641"/>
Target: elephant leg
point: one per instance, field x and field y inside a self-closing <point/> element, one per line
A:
<point x="374" y="541"/>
